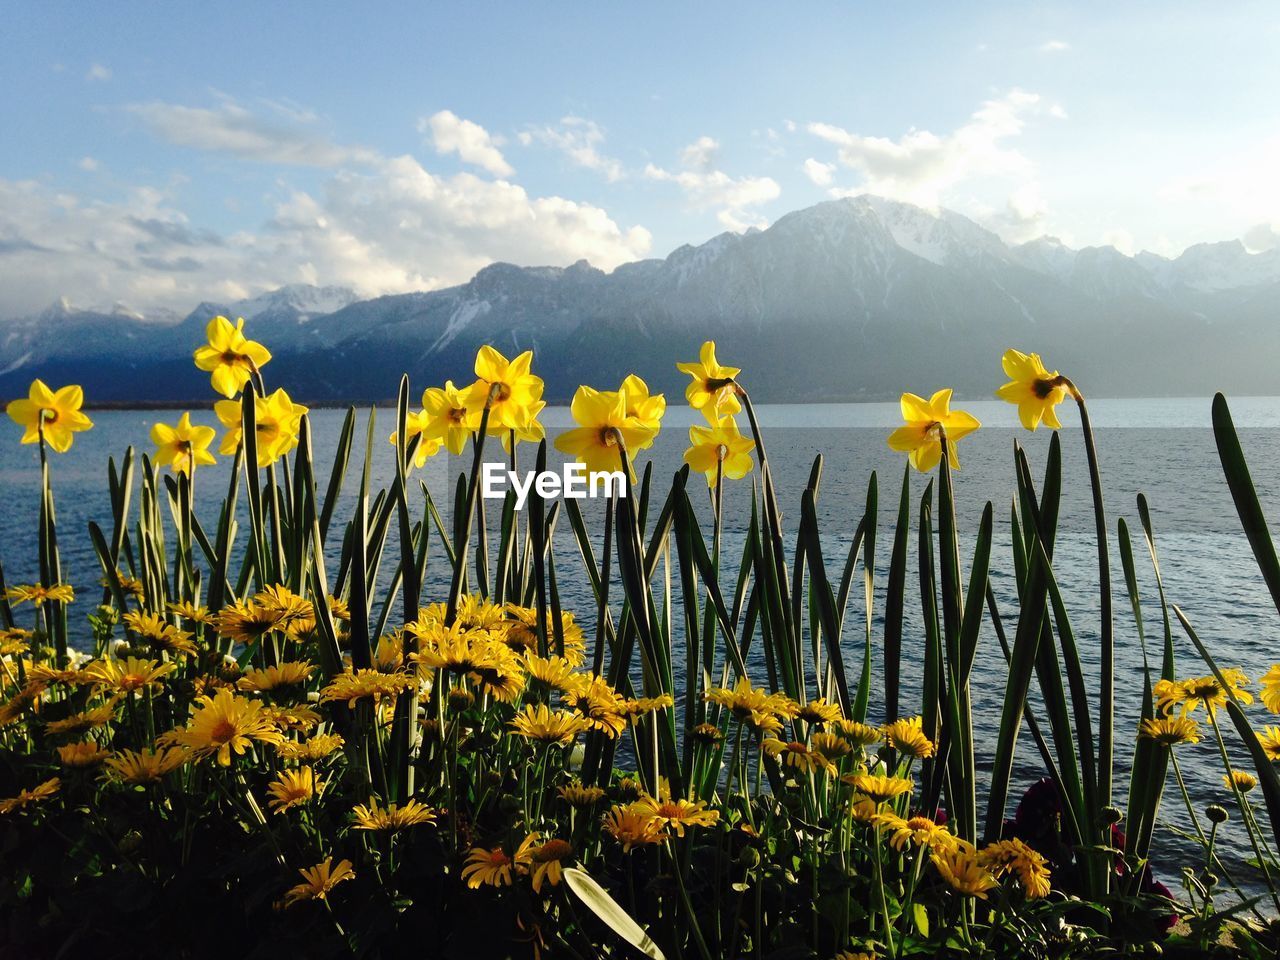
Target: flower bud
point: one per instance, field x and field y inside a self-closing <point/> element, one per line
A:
<point x="1111" y="815"/>
<point x="1217" y="814"/>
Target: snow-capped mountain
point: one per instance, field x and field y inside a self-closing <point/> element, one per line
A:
<point x="852" y="298"/>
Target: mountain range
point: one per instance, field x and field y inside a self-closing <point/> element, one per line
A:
<point x="851" y="299"/>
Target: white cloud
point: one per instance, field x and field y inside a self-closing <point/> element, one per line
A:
<point x="470" y="141"/>
<point x="1122" y="240"/>
<point x="1261" y="237"/>
<point x="288" y="136"/>
<point x="579" y="139"/>
<point x="88" y="164"/>
<point x="733" y="198"/>
<point x="1243" y="186"/>
<point x="1055" y="46"/>
<point x="380" y="225"/>
<point x="701" y="154"/>
<point x="819" y="172"/>
<point x="97" y="72"/>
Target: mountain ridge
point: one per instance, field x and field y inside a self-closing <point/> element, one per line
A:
<point x="862" y="297"/>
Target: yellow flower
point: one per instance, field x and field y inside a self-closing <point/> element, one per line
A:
<point x="25" y="798"/>
<point x="245" y="621"/>
<point x="578" y="795"/>
<point x="129" y="675"/>
<point x="858" y="734"/>
<point x="1033" y="389"/>
<point x="633" y="826"/>
<point x="360" y="684"/>
<point x="316" y="748"/>
<point x="183" y="447"/>
<point x="1207" y="692"/>
<point x="878" y="788"/>
<point x="319" y="881"/>
<point x="1240" y="780"/>
<point x="446" y="418"/>
<point x="190" y="611"/>
<point x="415" y="425"/>
<point x="287" y="674"/>
<point x="751" y="705"/>
<point x="540" y="723"/>
<point x="637" y="708"/>
<point x="719" y="447"/>
<point x="507" y="388"/>
<point x="56" y="415"/>
<point x="544" y="860"/>
<point x="712" y="384"/>
<point x="907" y="737"/>
<point x="153" y="628"/>
<point x="676" y="815"/>
<point x="556" y="672"/>
<point x="391" y="817"/>
<point x="830" y="745"/>
<point x="796" y="754"/>
<point x="146" y="766"/>
<point x="1270" y="740"/>
<point x="38" y="593"/>
<point x="604" y="430"/>
<point x="854" y="955"/>
<point x="91" y="719"/>
<point x="1170" y="731"/>
<point x="293" y="787"/>
<point x="488" y="866"/>
<point x="277" y="422"/>
<point x="819" y="712"/>
<point x="1014" y="856"/>
<point x="600" y="706"/>
<point x="920" y="831"/>
<point x="229" y="356"/>
<point x="926" y="422"/>
<point x="129" y="586"/>
<point x="641" y="406"/>
<point x="83" y="754"/>
<point x="223" y="724"/>
<point x="958" y="865"/>
<point x="1271" y="689"/>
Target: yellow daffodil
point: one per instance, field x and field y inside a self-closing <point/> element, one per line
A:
<point x="719" y="448"/>
<point x="507" y="388"/>
<point x="926" y="423"/>
<point x="446" y="417"/>
<point x="645" y="408"/>
<point x="1034" y="390"/>
<point x="229" y="356"/>
<point x="415" y="426"/>
<point x="713" y="384"/>
<point x="604" y="430"/>
<point x="278" y="420"/>
<point x="183" y="447"/>
<point x="55" y="415"/>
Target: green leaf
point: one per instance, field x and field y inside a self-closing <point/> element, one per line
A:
<point x="596" y="899"/>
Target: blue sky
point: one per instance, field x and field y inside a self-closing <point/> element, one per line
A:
<point x="162" y="154"/>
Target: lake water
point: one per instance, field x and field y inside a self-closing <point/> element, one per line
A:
<point x="1163" y="448"/>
